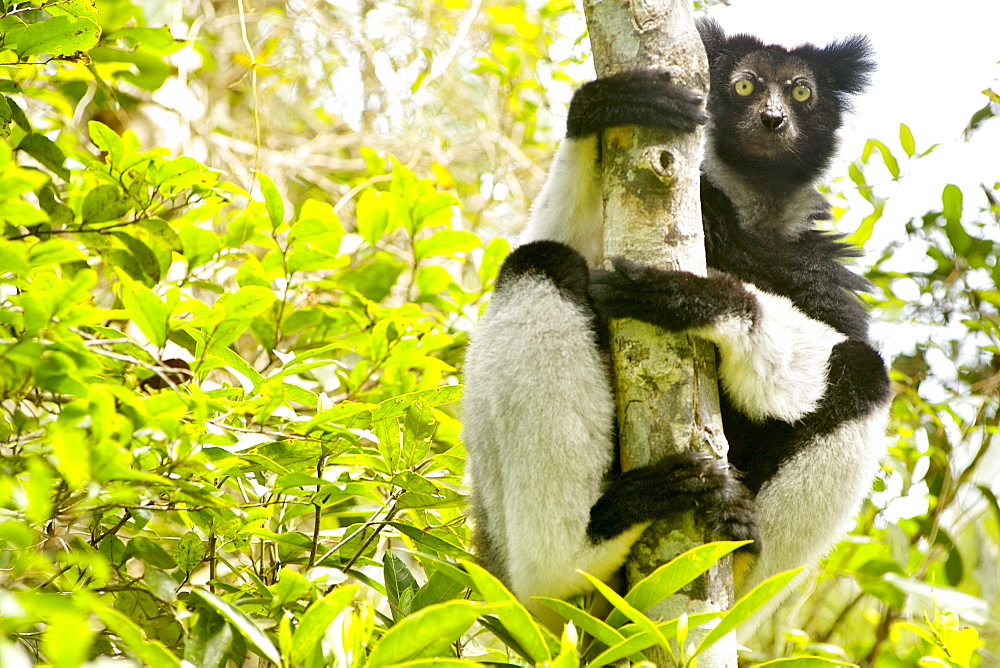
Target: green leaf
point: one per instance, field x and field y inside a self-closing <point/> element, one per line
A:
<point x="73" y="468"/>
<point x="104" y="203"/>
<point x="59" y="36"/>
<point x="253" y="635"/>
<point x="13" y="257"/>
<point x="272" y="198"/>
<point x="144" y="257"/>
<point x="431" y="543"/>
<point x="161" y="585"/>
<point x="160" y="40"/>
<point x="398" y="406"/>
<point x="440" y="587"/>
<point x="240" y="365"/>
<point x="669" y="578"/>
<point x="951" y="198"/>
<point x="747" y="606"/>
<point x="84" y="9"/>
<point x="439" y="662"/>
<point x="145" y="308"/>
<point x="623" y="606"/>
<point x="446" y="243"/>
<point x="316" y="620"/>
<point x="867" y="226"/>
<point x="493" y="256"/>
<point x="887" y="157"/>
<point x="45" y="151"/>
<point x="426" y="633"/>
<point x="290" y="587"/>
<point x="375" y="215"/>
<point x="906" y="140"/>
<point x="39" y="487"/>
<point x="67" y="637"/>
<point x="210" y="640"/>
<point x="190" y="552"/>
<point x="642" y="640"/>
<point x="433" y="208"/>
<point x="150" y="552"/>
<point x="108" y="141"/>
<point x="149" y="652"/>
<point x="587" y="623"/>
<point x="516" y="619"/>
<point x="6" y="118"/>
<point x="54" y="251"/>
<point x="398" y="579"/>
<point x="804" y="662"/>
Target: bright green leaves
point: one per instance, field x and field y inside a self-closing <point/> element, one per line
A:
<point x="190" y="552"/>
<point x="426" y="633"/>
<point x="67" y="638"/>
<point x="272" y="199"/>
<point x="63" y="35"/>
<point x="45" y="151"/>
<point x="446" y="243"/>
<point x="108" y="141"/>
<point x="223" y="406"/>
<point x="313" y="625"/>
<point x="628" y="630"/>
<point x="259" y="348"/>
<point x="146" y="309"/>
<point x="256" y="639"/>
<point x="410" y="203"/>
<point x="375" y="212"/>
<point x="952" y="643"/>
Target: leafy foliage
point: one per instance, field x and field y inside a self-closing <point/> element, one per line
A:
<point x="228" y="398"/>
<point x="208" y="435"/>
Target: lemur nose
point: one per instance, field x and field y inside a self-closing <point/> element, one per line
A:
<point x="772" y="121"/>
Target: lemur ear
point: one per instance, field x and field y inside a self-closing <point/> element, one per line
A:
<point x="850" y="64"/>
<point x="712" y="36"/>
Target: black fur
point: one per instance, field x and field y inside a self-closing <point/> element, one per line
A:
<point x="559" y="263"/>
<point x="622" y="98"/>
<point x="673" y="300"/>
<point x="806" y="268"/>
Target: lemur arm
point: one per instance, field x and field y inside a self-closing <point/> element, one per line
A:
<point x="774" y="358"/>
<point x="569" y="208"/>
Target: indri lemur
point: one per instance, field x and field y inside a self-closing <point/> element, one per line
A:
<point x="804" y="401"/>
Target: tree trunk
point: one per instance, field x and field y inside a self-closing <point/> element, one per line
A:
<point x="665" y="384"/>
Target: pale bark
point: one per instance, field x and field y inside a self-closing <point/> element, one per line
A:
<point x="665" y="384"/>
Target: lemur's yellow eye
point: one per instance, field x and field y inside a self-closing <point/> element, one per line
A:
<point x="801" y="93"/>
<point x="743" y="87"/>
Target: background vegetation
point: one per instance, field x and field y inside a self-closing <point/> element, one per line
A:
<point x="242" y="250"/>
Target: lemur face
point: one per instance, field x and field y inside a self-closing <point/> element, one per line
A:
<point x="771" y="99"/>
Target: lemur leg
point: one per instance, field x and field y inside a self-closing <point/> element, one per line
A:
<point x="539" y="428"/>
<point x="812" y="488"/>
<point x="538" y="425"/>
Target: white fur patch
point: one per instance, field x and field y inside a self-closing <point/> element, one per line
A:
<point x="570" y="206"/>
<point x="776" y="366"/>
<point x="538" y="415"/>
